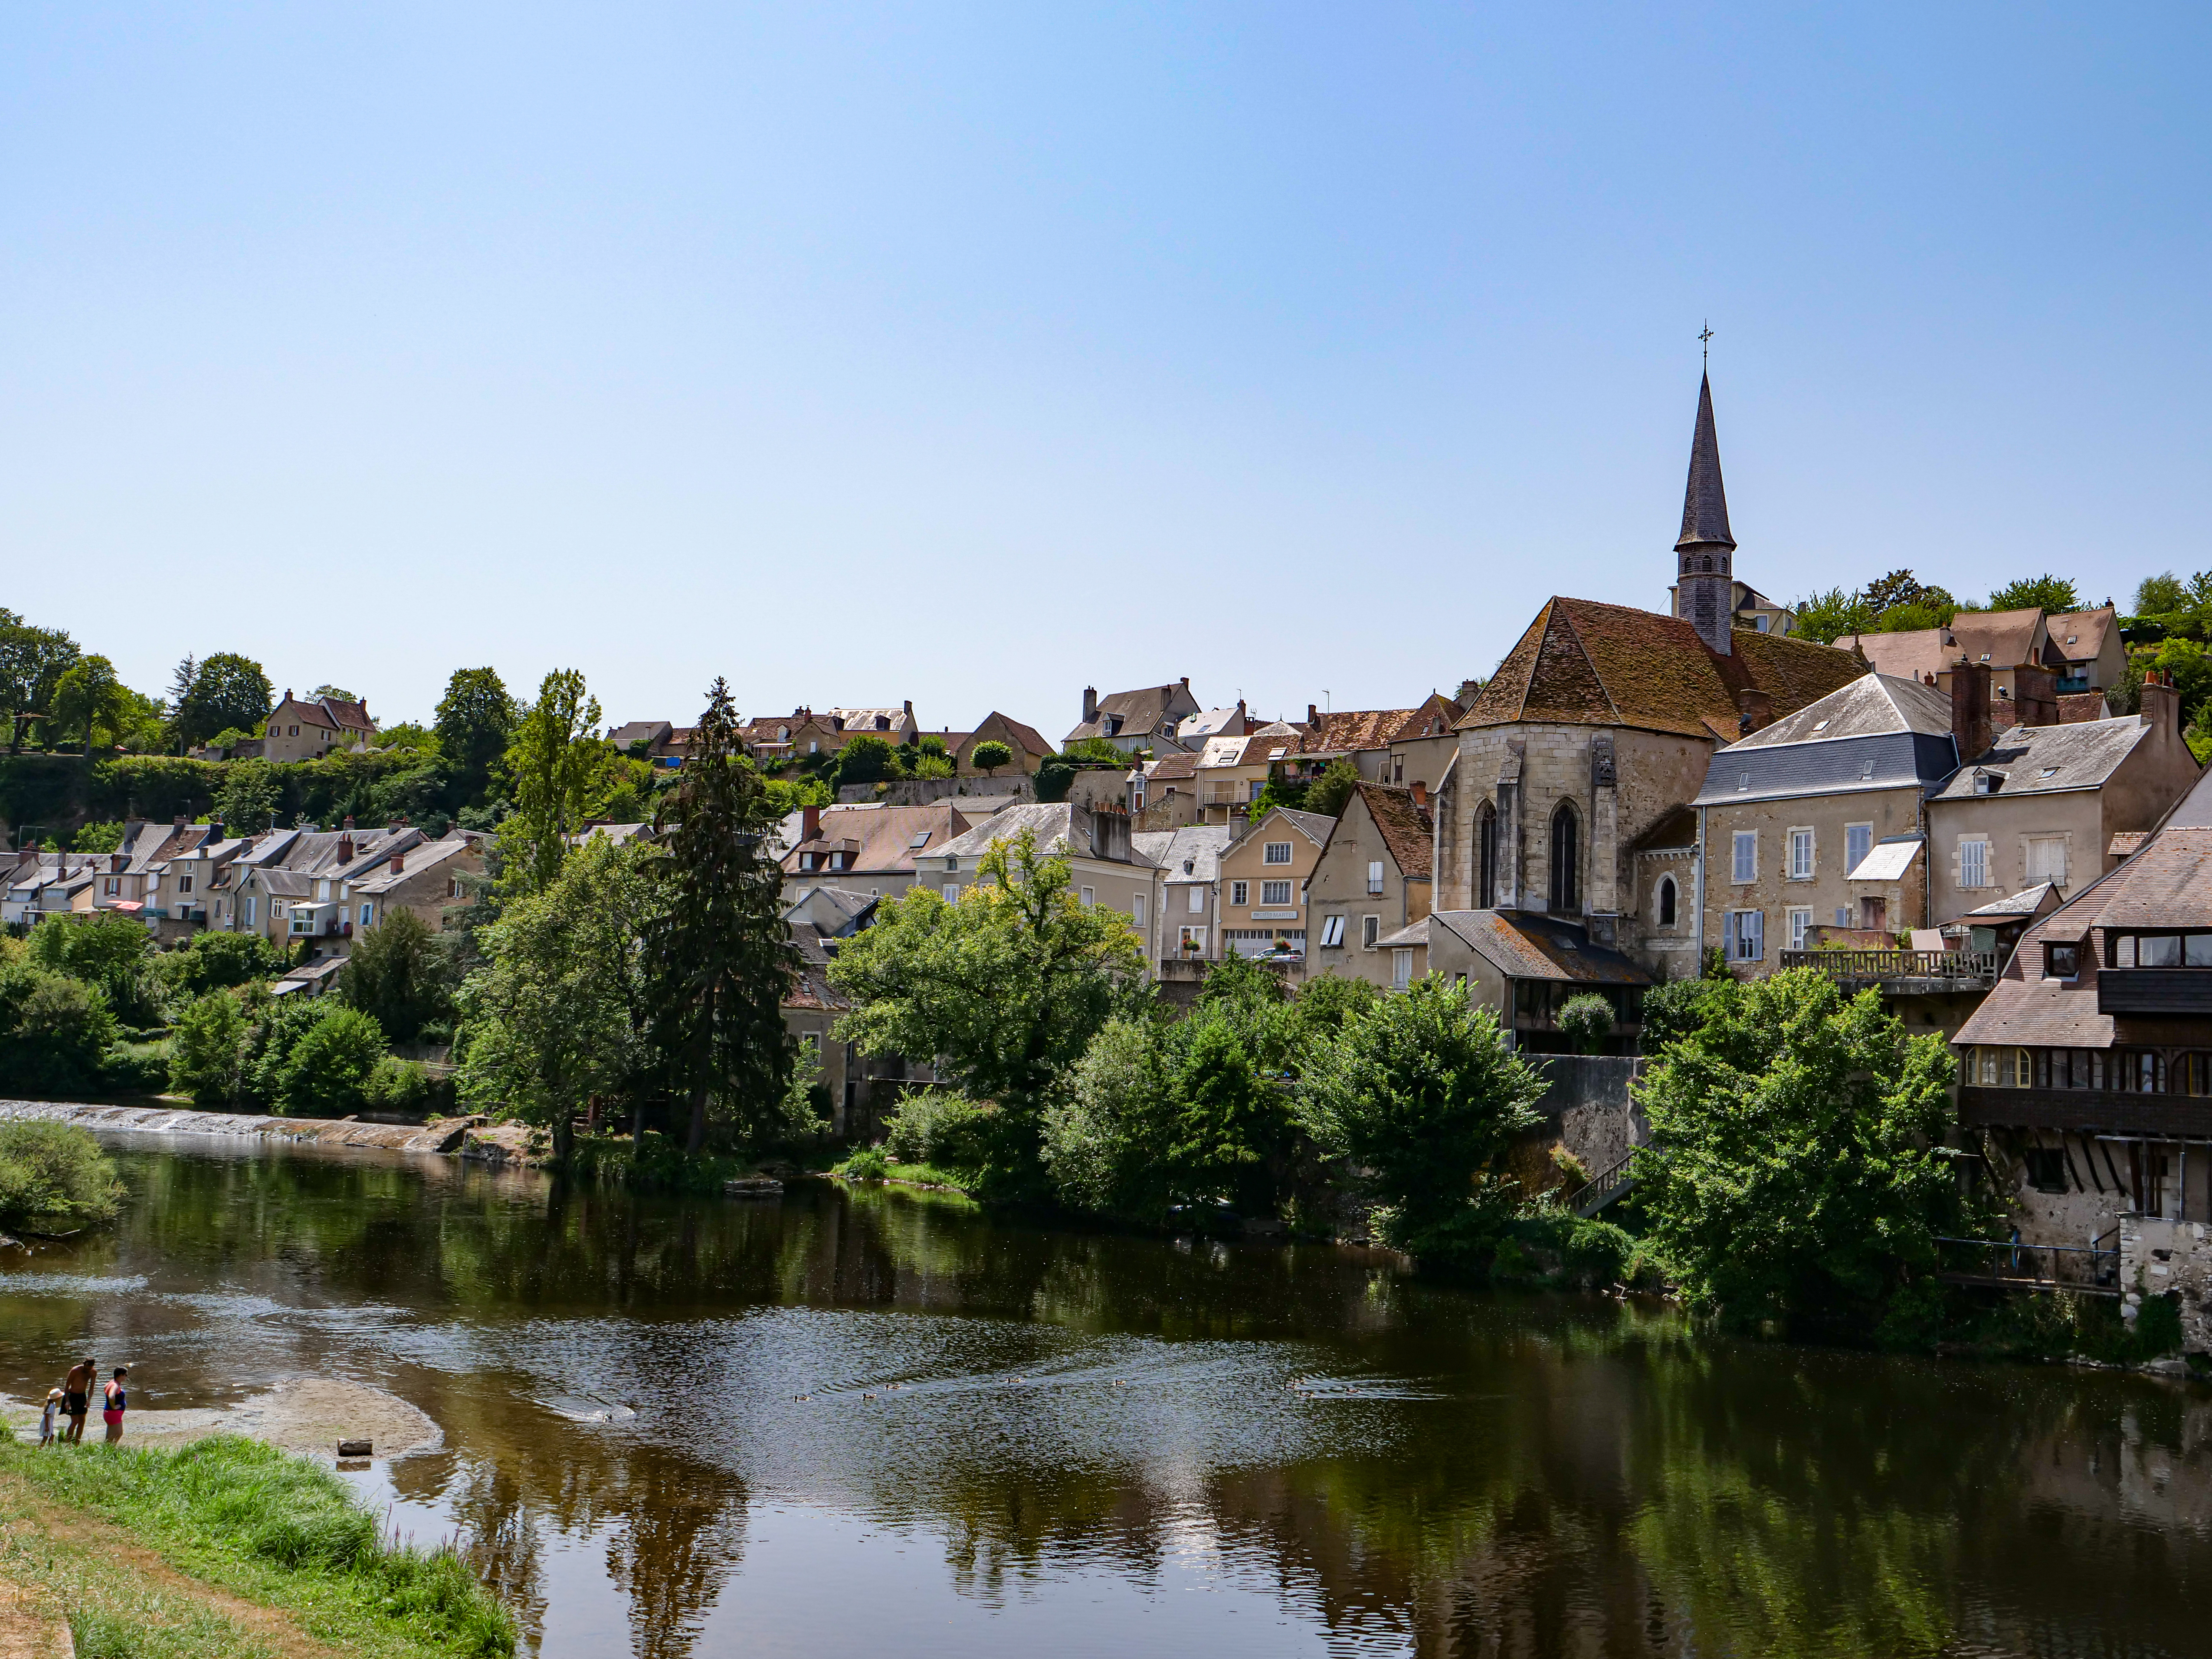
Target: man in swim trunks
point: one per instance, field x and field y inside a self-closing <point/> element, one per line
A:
<point x="76" y="1397"/>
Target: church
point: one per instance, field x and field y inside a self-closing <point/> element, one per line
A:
<point x="1562" y="821"/>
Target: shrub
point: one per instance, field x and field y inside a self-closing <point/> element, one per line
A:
<point x="55" y="1174"/>
<point x="135" y="1068"/>
<point x="1586" y="1021"/>
<point x="399" y="1086"/>
<point x="328" y="1071"/>
<point x="937" y="1127"/>
<point x="869" y="1164"/>
<point x="54" y="1031"/>
<point x="215" y="962"/>
<point x="208" y="1053"/>
<point x="106" y="948"/>
<point x="1681" y="1006"/>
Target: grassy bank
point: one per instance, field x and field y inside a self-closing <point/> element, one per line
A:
<point x="224" y="1529"/>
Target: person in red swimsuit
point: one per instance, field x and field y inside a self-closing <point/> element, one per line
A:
<point x="112" y="1404"/>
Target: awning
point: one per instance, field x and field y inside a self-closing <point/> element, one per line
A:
<point x="133" y="906"/>
<point x="1887" y="860"/>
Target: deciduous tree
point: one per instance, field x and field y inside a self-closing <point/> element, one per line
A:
<point x="476" y="721"/>
<point x="228" y="690"/>
<point x="32" y="663"/>
<point x="398" y="974"/>
<point x="552" y="760"/>
<point x="2054" y="594"/>
<point x="90" y="704"/>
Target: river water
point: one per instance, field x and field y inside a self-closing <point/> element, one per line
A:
<point x="884" y="1424"/>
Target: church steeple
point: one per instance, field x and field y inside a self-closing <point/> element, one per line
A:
<point x="1704" y="586"/>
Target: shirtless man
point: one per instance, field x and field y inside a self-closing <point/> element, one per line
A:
<point x="76" y="1397"/>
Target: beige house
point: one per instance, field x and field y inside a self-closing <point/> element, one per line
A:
<point x="1370" y="881"/>
<point x="1105" y="865"/>
<point x="308" y="728"/>
<point x="1815" y="822"/>
<point x="1423" y="745"/>
<point x="1232" y="772"/>
<point x="803" y="731"/>
<point x="869" y="848"/>
<point x="2044" y="803"/>
<point x="1150" y="717"/>
<point x="2085" y="650"/>
<point x="1189" y="861"/>
<point x="1164" y="792"/>
<point x="1525" y="968"/>
<point x="426" y="878"/>
<point x="1264" y="873"/>
<point x="1030" y="749"/>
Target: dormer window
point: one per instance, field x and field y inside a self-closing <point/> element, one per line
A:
<point x="2061" y="961"/>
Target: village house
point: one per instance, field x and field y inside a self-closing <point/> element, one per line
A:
<point x="1189" y="861"/>
<point x="1147" y="718"/>
<point x="2039" y="803"/>
<point x="1264" y="872"/>
<point x="46" y="883"/>
<point x="1163" y="794"/>
<point x="426" y="878"/>
<point x="1232" y="772"/>
<point x="869" y="848"/>
<point x="2014" y="647"/>
<point x="2084" y="651"/>
<point x="1105" y="866"/>
<point x="190" y="891"/>
<point x="1425" y="744"/>
<point x="2086" y="1076"/>
<point x="803" y="731"/>
<point x="1749" y="608"/>
<point x="1816" y="821"/>
<point x="308" y="728"/>
<point x="1601" y="722"/>
<point x="1030" y="749"/>
<point x="1370" y="883"/>
<point x="655" y="742"/>
<point x="1526" y="966"/>
<point x="1193" y="730"/>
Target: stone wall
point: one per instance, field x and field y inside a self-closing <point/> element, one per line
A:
<point x="1589" y="1106"/>
<point x="2157" y="1256"/>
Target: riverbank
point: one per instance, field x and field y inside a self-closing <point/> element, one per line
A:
<point x="224" y="1548"/>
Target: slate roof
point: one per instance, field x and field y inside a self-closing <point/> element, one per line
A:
<point x="1209" y="723"/>
<point x="881" y="838"/>
<point x="638" y="731"/>
<point x="379" y="877"/>
<point x="2166" y="883"/>
<point x="1143" y="711"/>
<point x="1314" y="826"/>
<point x="2025" y="902"/>
<point x="1870" y="704"/>
<point x="1199" y="845"/>
<point x="1704" y="503"/>
<point x="1413" y="933"/>
<point x="1048" y="822"/>
<point x="1528" y="946"/>
<point x="2087" y="628"/>
<point x="2081" y="757"/>
<point x="1584" y="663"/>
<point x="1405" y="825"/>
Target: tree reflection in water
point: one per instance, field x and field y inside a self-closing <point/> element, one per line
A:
<point x="1476" y="1475"/>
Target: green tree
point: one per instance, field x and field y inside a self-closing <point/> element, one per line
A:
<point x="1328" y="794"/>
<point x="215" y="962"/>
<point x="32" y="663"/>
<point x="1106" y="1138"/>
<point x="1228" y="1123"/>
<point x="476" y="721"/>
<point x="227" y="691"/>
<point x="247" y="801"/>
<point x="207" y="1056"/>
<point x="399" y="975"/>
<point x="90" y="704"/>
<point x="2054" y="594"/>
<point x="1798" y="1170"/>
<point x="104" y="948"/>
<point x="553" y="757"/>
<point x="1424" y="1094"/>
<point x="1586" y="1021"/>
<point x="54" y="1030"/>
<point x="1006" y="987"/>
<point x="55" y="1174"/>
<point x="329" y="1068"/>
<point x="557" y="1013"/>
<point x="98" y="837"/>
<point x="1827" y="617"/>
<point x="988" y="756"/>
<point x="2161" y="595"/>
<point x="1277" y="792"/>
<point x="335" y="693"/>
<point x="718" y="956"/>
<point x="867" y="759"/>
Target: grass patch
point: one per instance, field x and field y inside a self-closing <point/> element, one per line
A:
<point x="272" y="1528"/>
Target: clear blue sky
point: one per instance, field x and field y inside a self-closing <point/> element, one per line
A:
<point x="972" y="354"/>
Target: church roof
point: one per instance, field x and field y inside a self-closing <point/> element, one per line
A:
<point x="1704" y="503"/>
<point x="1583" y="663"/>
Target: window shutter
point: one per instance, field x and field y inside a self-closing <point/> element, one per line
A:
<point x="1759" y="935"/>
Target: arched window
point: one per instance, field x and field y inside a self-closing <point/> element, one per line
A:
<point x="1485" y="841"/>
<point x="1566" y="861"/>
<point x="1666" y="901"/>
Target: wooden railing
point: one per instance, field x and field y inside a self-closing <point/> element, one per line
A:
<point x="1873" y="967"/>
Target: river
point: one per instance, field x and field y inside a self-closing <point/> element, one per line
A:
<point x="875" y="1422"/>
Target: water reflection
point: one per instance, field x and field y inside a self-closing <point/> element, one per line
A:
<point x="844" y="1422"/>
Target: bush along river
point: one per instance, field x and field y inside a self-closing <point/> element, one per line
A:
<point x="862" y="1420"/>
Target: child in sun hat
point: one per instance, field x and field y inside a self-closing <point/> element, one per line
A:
<point x="46" y="1418"/>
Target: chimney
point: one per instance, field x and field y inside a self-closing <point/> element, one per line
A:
<point x="399" y="864"/>
<point x="1089" y="704"/>
<point x="1313" y="716"/>
<point x="810" y="823"/>
<point x="2161" y="703"/>
<point x="1968" y="683"/>
<point x="179" y="821"/>
<point x="345" y="843"/>
<point x="909" y="710"/>
<point x="347" y="825"/>
<point x="1109" y="834"/>
<point x="2035" y="692"/>
<point x="1186" y="682"/>
<point x="288" y="694"/>
<point x="1420" y="794"/>
<point x="215" y="827"/>
<point x="115" y="863"/>
<point x="1754" y="710"/>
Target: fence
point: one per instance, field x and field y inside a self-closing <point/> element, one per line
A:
<point x="2092" y="1269"/>
<point x="1873" y="966"/>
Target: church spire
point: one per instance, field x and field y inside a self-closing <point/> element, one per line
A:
<point x="1704" y="588"/>
<point x="1704" y="503"/>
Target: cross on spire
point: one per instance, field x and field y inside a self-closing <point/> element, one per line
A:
<point x="1706" y="339"/>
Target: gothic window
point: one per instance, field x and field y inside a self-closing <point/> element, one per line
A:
<point x="1666" y="901"/>
<point x="1485" y="840"/>
<point x="1565" y="861"/>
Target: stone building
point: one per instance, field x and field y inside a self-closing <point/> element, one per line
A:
<point x="1600" y="723"/>
<point x="1370" y="881"/>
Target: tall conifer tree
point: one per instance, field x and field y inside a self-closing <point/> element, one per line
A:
<point x="719" y="954"/>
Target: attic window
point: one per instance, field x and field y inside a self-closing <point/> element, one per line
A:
<point x="1820" y="725"/>
<point x="1743" y="781"/>
<point x="1985" y="656"/>
<point x="2072" y="638"/>
<point x="1867" y="770"/>
<point x="2048" y="772"/>
<point x="921" y="840"/>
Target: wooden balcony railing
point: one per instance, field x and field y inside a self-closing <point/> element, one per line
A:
<point x="1885" y="967"/>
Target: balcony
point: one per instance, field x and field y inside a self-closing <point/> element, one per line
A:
<point x="2087" y="1111"/>
<point x="1905" y="973"/>
<point x="2155" y="991"/>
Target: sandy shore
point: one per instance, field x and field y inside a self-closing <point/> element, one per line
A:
<point x="309" y="1416"/>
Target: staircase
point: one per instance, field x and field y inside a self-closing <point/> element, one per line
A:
<point x="1609" y="1183"/>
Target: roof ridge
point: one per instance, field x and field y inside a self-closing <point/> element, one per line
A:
<point x="1596" y="673"/>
